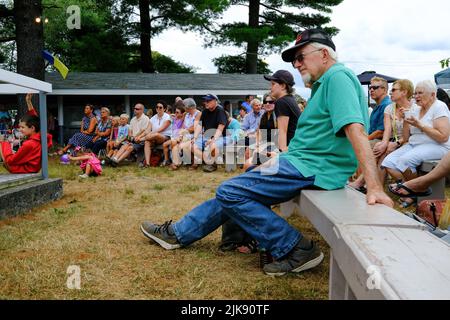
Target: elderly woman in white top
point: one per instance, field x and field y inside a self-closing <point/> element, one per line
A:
<point x="159" y="130"/>
<point x="426" y="127"/>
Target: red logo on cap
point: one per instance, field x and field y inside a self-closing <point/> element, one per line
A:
<point x="299" y="38"/>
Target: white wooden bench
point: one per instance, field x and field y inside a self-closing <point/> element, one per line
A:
<point x="376" y="252"/>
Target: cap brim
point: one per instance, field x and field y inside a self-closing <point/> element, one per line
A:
<point x="289" y="54"/>
<point x="270" y="78"/>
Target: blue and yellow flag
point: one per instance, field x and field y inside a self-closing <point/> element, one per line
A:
<point x="54" y="61"/>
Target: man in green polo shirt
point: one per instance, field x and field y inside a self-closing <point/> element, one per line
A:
<point x="330" y="139"/>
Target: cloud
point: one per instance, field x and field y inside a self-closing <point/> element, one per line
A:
<point x="402" y="38"/>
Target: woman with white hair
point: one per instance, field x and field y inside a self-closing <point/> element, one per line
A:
<point x="427" y="129"/>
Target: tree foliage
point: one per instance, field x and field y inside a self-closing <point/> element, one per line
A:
<point x="236" y="64"/>
<point x="155" y="16"/>
<point x="272" y="25"/>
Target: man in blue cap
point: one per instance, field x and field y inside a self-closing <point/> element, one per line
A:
<point x="331" y="137"/>
<point x="209" y="135"/>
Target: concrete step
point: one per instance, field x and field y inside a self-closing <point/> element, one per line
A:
<point x="13" y="180"/>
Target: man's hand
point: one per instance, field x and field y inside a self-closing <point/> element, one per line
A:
<point x="210" y="141"/>
<point x="374" y="197"/>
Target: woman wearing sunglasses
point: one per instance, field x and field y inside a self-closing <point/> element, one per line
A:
<point x="159" y="130"/>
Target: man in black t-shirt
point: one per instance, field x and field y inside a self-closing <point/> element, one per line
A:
<point x="209" y="135"/>
<point x="286" y="107"/>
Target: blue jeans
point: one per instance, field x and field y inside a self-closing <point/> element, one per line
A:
<point x="246" y="199"/>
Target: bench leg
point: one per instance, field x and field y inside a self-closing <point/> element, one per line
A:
<point x="230" y="159"/>
<point x="338" y="287"/>
<point x="438" y="191"/>
<point x="287" y="209"/>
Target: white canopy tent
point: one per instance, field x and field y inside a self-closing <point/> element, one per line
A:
<point x="13" y="83"/>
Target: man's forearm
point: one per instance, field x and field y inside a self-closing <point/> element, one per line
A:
<point x="361" y="146"/>
<point x="376" y="135"/>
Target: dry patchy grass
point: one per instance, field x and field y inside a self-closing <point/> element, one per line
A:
<point x="96" y="226"/>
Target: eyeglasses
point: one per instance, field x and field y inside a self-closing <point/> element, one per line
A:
<point x="137" y="108"/>
<point x="268" y="102"/>
<point x="375" y="87"/>
<point x="300" y="57"/>
<point x="395" y="89"/>
<point x="159" y="107"/>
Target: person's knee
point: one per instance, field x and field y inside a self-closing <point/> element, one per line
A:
<point x="225" y="192"/>
<point x="405" y="162"/>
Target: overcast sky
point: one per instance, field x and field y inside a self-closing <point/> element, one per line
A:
<point x="400" y="38"/>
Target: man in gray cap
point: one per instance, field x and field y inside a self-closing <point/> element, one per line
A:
<point x="331" y="137"/>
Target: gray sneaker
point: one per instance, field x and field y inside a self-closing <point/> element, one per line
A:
<point x="297" y="260"/>
<point x="161" y="233"/>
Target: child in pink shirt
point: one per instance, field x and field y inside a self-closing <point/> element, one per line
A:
<point x="90" y="164"/>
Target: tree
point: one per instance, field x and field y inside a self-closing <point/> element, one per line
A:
<point x="100" y="45"/>
<point x="236" y="64"/>
<point x="17" y="20"/>
<point x="158" y="15"/>
<point x="271" y="25"/>
<point x="445" y="63"/>
<point x="161" y="63"/>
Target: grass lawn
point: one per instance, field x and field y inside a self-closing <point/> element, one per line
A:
<point x="96" y="226"/>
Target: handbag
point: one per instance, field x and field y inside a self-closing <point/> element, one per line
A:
<point x="435" y="212"/>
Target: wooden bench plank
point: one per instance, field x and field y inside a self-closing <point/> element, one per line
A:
<point x="347" y="206"/>
<point x="413" y="264"/>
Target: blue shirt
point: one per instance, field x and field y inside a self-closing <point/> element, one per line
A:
<point x="377" y="116"/>
<point x="234" y="129"/>
<point x="251" y="122"/>
<point x="123" y="132"/>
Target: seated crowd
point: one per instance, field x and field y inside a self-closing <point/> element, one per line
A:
<point x="408" y="126"/>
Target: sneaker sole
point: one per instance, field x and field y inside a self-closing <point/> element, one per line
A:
<point x="309" y="265"/>
<point x="162" y="243"/>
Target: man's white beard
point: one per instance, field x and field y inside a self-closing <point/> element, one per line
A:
<point x="307" y="79"/>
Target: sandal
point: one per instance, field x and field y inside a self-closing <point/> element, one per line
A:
<point x="411" y="194"/>
<point x="193" y="167"/>
<point x="406" y="204"/>
<point x="248" y="248"/>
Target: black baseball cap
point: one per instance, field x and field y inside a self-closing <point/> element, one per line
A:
<point x="307" y="36"/>
<point x="282" y="76"/>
